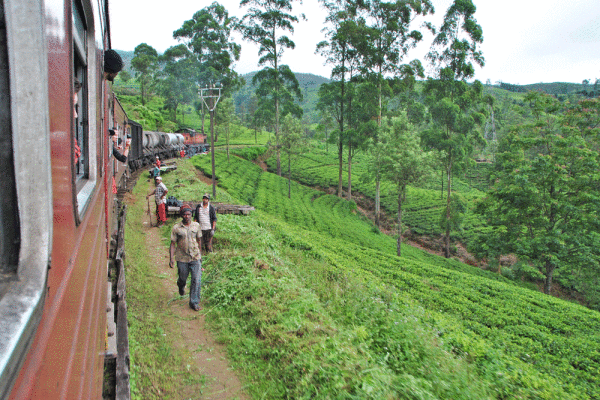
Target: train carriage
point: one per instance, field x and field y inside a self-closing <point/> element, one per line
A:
<point x="57" y="200"/>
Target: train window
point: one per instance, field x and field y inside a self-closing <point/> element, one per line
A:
<point x="84" y="143"/>
<point x="80" y="69"/>
<point x="9" y="222"/>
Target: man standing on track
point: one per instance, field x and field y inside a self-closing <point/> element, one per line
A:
<point x="207" y="217"/>
<point x="186" y="242"/>
<point x="160" y="196"/>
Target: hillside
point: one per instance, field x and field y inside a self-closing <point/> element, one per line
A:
<point x="312" y="302"/>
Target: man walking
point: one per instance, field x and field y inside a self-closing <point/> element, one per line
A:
<point x="186" y="242"/>
<point x="160" y="197"/>
<point x="207" y="218"/>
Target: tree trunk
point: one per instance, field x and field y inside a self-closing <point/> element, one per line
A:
<point x="377" y="183"/>
<point x="277" y="137"/>
<point x="349" y="197"/>
<point x="447" y="237"/>
<point x="341" y="163"/>
<point x="289" y="176"/>
<point x="442" y="191"/>
<point x="227" y="142"/>
<point x="549" y="273"/>
<point x="341" y="134"/>
<point x="212" y="153"/>
<point x="142" y="91"/>
<point x="399" y="244"/>
<point x="203" y="117"/>
<point x="377" y="201"/>
<point x="275" y="64"/>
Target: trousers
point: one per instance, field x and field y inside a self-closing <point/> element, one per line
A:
<point x="195" y="269"/>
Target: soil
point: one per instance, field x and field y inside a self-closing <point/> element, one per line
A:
<point x="189" y="330"/>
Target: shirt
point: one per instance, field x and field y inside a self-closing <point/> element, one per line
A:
<point x="159" y="192"/>
<point x="204" y="217"/>
<point x="186" y="237"/>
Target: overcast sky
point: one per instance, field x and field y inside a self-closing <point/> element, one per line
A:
<point x="525" y="41"/>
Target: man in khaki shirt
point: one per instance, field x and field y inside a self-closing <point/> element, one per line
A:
<point x="186" y="242"/>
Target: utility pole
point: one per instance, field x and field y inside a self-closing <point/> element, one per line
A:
<point x="211" y="95"/>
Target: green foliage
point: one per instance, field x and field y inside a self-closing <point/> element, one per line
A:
<point x="544" y="200"/>
<point x="149" y="115"/>
<point x="177" y="80"/>
<point x="159" y="367"/>
<point x="250" y="153"/>
<point x="145" y="64"/>
<point x="423" y="205"/>
<point x="264" y="24"/>
<point x="521" y="343"/>
<point x="311" y="307"/>
<point x="454" y="104"/>
<point x="208" y="36"/>
<point x="457" y="209"/>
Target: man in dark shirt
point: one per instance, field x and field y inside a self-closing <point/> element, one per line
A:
<point x="115" y="146"/>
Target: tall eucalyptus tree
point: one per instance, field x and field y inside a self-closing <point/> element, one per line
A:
<point x="176" y="80"/>
<point x="145" y="64"/>
<point x="208" y="36"/>
<point x="387" y="40"/>
<point x="265" y="24"/>
<point x="452" y="101"/>
<point x="342" y="31"/>
<point x="403" y="162"/>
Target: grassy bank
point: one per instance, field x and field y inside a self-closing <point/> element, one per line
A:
<point x="306" y="314"/>
<point x="159" y="367"/>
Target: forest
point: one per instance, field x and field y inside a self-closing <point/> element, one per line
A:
<point x="500" y="180"/>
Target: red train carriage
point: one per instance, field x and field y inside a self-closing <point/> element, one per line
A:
<point x="56" y="207"/>
<point x="193" y="137"/>
<point x="195" y="142"/>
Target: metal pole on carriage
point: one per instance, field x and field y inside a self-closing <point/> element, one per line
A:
<point x="212" y="94"/>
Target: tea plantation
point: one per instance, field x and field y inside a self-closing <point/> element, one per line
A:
<point x="414" y="327"/>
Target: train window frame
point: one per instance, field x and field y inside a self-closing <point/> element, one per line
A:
<point x="85" y="177"/>
<point x="22" y="300"/>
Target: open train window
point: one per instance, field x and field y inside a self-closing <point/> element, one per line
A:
<point x="84" y="143"/>
<point x="81" y="130"/>
<point x="9" y="221"/>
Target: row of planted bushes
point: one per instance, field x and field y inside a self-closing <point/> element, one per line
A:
<point x="532" y="343"/>
<point x="423" y="207"/>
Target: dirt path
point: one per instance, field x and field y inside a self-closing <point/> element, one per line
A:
<point x="188" y="328"/>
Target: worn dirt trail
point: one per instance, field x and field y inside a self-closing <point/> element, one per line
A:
<point x="188" y="328"/>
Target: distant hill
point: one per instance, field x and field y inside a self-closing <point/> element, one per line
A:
<point x="127" y="56"/>
<point x="311" y="81"/>
<point x="309" y="84"/>
<point x="555" y="88"/>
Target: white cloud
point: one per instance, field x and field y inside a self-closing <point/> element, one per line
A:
<point x="525" y="41"/>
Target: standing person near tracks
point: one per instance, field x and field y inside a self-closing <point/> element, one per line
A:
<point x="207" y="218"/>
<point x="160" y="196"/>
<point x="186" y="244"/>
